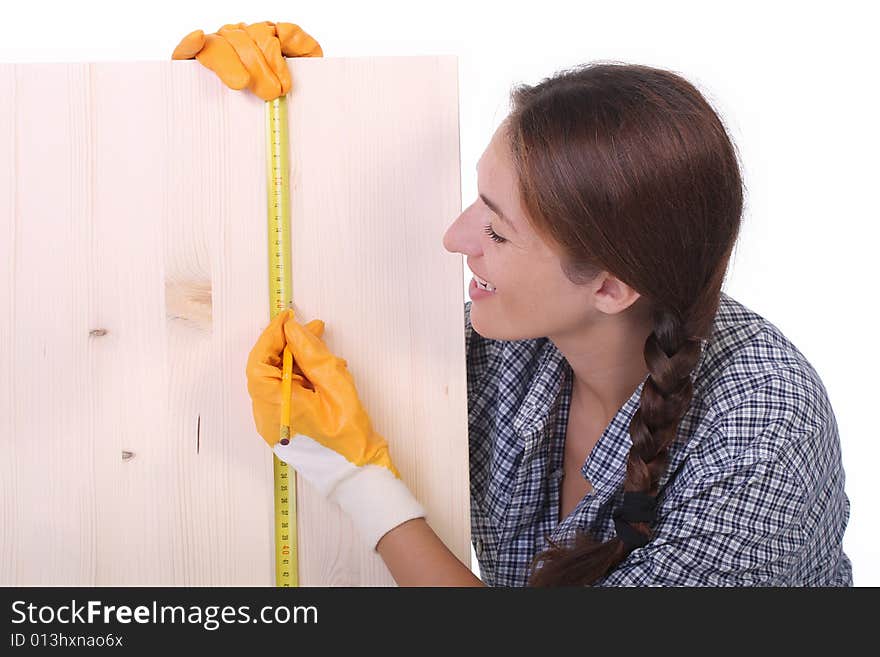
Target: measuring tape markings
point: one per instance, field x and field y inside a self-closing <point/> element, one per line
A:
<point x="280" y="299"/>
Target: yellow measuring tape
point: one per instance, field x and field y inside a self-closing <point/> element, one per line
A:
<point x="280" y="299"/>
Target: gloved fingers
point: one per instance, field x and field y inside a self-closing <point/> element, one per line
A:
<point x="261" y="34"/>
<point x="309" y="350"/>
<point x="189" y="45"/>
<point x="328" y="373"/>
<point x="298" y="380"/>
<point x="267" y="414"/>
<point x="264" y="36"/>
<point x="267" y="419"/>
<point x="264" y="388"/>
<point x="272" y="52"/>
<point x="263" y="81"/>
<point x="316" y="326"/>
<point x="219" y="56"/>
<point x="296" y="42"/>
<point x="264" y="384"/>
<point x="311" y="332"/>
<point x="268" y="350"/>
<point x="265" y="360"/>
<point x="251" y="56"/>
<point x="272" y="338"/>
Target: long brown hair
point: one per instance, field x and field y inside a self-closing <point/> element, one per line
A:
<point x="628" y="169"/>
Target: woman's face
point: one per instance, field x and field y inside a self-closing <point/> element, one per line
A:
<point x="533" y="298"/>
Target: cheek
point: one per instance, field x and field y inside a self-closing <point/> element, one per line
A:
<point x="545" y="293"/>
<point x="531" y="286"/>
<point x="532" y="276"/>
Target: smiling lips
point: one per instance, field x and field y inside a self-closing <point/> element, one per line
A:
<point x="483" y="284"/>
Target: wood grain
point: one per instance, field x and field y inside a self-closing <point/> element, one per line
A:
<point x="133" y="283"/>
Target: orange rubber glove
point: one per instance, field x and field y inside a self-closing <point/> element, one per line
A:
<point x="250" y="56"/>
<point x="333" y="443"/>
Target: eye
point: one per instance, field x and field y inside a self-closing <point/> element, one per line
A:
<point x="491" y="233"/>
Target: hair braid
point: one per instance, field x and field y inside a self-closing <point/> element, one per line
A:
<point x="627" y="169"/>
<point x="671" y="357"/>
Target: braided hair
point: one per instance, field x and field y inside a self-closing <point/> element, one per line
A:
<point x="627" y="169"/>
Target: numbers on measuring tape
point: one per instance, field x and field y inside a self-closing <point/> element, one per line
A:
<point x="281" y="298"/>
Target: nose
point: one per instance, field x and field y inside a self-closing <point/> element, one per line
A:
<point x="463" y="236"/>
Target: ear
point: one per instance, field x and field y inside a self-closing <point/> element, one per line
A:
<point x="614" y="296"/>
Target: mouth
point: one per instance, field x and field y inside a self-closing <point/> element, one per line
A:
<point x="483" y="284"/>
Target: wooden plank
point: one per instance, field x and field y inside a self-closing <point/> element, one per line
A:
<point x="133" y="268"/>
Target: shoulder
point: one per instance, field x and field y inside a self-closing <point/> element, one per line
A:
<point x="757" y="399"/>
<point x="757" y="494"/>
<point x="747" y="361"/>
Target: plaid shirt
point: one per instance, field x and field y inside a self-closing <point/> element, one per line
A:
<point x="753" y="494"/>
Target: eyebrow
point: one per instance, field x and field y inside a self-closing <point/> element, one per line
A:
<point x="496" y="209"/>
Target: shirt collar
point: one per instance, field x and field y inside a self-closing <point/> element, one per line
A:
<point x="605" y="466"/>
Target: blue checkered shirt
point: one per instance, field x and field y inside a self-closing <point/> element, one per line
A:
<point x="753" y="495"/>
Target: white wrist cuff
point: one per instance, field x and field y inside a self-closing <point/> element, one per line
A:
<point x="374" y="499"/>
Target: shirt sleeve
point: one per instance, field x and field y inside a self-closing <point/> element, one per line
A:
<point x="770" y="514"/>
<point x="745" y="530"/>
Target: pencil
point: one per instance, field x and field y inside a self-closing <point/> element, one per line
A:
<point x="286" y="372"/>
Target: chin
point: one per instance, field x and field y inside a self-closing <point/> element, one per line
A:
<point x="491" y="332"/>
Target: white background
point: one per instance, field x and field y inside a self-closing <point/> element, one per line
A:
<point x="795" y="83"/>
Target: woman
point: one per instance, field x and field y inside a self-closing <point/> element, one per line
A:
<point x="629" y="423"/>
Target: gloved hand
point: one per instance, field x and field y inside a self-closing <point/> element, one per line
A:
<point x="250" y="55"/>
<point x="333" y="444"/>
